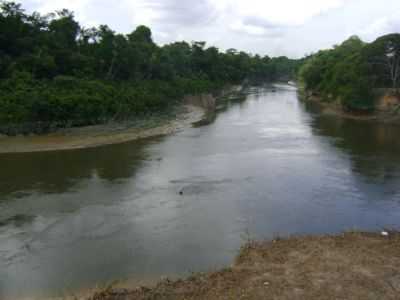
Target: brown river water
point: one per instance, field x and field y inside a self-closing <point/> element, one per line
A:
<point x="270" y="165"/>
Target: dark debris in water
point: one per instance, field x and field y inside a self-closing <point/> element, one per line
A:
<point x="17" y="220"/>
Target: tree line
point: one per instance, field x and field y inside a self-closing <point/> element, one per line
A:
<point x="56" y="73"/>
<point x="353" y="71"/>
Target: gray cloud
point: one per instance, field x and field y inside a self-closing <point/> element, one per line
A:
<point x="184" y="13"/>
<point x="259" y="22"/>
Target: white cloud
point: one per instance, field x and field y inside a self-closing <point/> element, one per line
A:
<point x="273" y="27"/>
<point x="384" y="25"/>
<point x="283" y="12"/>
<point x="45" y="6"/>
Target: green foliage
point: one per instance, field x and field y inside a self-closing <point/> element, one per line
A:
<point x="283" y="68"/>
<point x="350" y="72"/>
<point x="383" y="57"/>
<point x="54" y="73"/>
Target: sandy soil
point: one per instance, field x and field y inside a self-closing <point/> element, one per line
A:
<point x="349" y="266"/>
<point x="93" y="136"/>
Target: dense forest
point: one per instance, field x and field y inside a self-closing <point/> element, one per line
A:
<point x="56" y="73"/>
<point x="354" y="71"/>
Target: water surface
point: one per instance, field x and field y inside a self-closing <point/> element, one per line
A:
<point x="267" y="166"/>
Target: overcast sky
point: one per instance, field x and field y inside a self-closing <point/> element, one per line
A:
<point x="273" y="27"/>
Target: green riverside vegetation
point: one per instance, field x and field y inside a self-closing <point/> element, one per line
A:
<point x="353" y="72"/>
<point x="55" y="73"/>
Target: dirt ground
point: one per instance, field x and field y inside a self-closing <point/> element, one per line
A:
<point x="93" y="136"/>
<point x="349" y="266"/>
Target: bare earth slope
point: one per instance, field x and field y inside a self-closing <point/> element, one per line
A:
<point x="349" y="266"/>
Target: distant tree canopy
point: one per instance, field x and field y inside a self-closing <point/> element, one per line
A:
<point x="351" y="71"/>
<point x="52" y="70"/>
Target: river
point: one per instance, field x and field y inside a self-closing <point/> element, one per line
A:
<point x="268" y="166"/>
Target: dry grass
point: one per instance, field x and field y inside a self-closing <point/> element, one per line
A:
<point x="349" y="266"/>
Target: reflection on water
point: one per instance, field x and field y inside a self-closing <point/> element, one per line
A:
<point x="373" y="147"/>
<point x="269" y="165"/>
<point x="58" y="172"/>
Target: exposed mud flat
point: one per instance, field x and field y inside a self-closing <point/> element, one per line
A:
<point x="347" y="266"/>
<point x="93" y="136"/>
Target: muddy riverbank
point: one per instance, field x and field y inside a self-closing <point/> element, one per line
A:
<point x="385" y="113"/>
<point x="195" y="109"/>
<point x="335" y="109"/>
<point x="111" y="133"/>
<point x="347" y="266"/>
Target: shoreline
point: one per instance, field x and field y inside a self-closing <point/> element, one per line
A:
<point x="352" y="265"/>
<point x="101" y="135"/>
<point x="349" y="265"/>
<point x="335" y="109"/>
